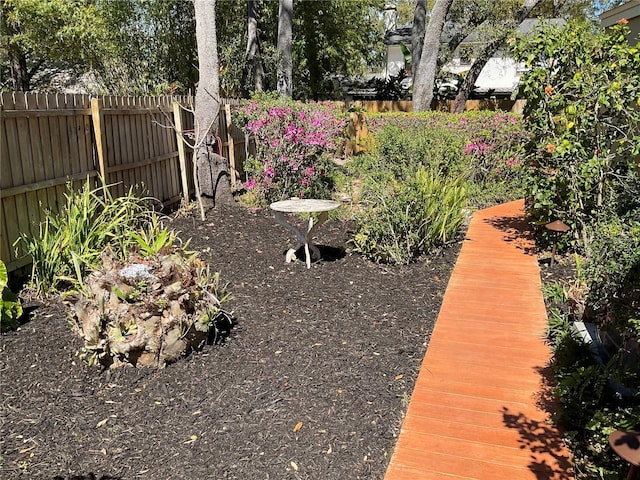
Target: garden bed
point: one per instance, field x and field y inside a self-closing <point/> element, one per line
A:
<point x="312" y="381"/>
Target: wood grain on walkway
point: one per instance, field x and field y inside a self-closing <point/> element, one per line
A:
<point x="480" y="407"/>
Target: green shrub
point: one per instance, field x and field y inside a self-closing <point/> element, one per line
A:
<point x="613" y="298"/>
<point x="597" y="390"/>
<point x="484" y="147"/>
<point x="613" y="269"/>
<point x="154" y="238"/>
<point x="406" y="218"/>
<point x="583" y="93"/>
<point x="71" y="242"/>
<point x="10" y="307"/>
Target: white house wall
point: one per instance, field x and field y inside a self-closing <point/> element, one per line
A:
<point x="498" y="73"/>
<point x="395" y="60"/>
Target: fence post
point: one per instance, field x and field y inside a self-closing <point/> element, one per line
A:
<point x="232" y="154"/>
<point x="98" y="130"/>
<point x="182" y="155"/>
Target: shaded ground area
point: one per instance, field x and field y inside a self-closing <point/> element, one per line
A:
<point x="312" y="382"/>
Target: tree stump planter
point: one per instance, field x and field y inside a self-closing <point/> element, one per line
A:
<point x="149" y="312"/>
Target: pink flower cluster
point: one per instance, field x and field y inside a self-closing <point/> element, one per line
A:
<point x="478" y="147"/>
<point x="293" y="140"/>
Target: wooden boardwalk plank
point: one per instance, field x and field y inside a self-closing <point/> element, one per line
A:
<point x="479" y="409"/>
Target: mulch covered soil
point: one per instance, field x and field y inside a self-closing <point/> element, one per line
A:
<point x="311" y="383"/>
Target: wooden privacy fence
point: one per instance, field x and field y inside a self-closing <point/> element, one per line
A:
<point x="50" y="140"/>
<point x="384" y="106"/>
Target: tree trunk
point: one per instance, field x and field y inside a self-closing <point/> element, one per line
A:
<point x="487" y="52"/>
<point x="207" y="108"/>
<point x="425" y="72"/>
<point x="254" y="68"/>
<point x="19" y="71"/>
<point x="311" y="50"/>
<point x="285" y="40"/>
<point x="417" y="33"/>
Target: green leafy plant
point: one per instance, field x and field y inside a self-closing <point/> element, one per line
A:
<point x="406" y="218"/>
<point x="595" y="391"/>
<point x="583" y="93"/>
<point x="484" y="147"/>
<point x="10" y="306"/>
<point x="71" y="242"/>
<point x="554" y="292"/>
<point x="154" y="237"/>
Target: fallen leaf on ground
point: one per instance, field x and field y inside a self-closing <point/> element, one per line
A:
<point x="192" y="439"/>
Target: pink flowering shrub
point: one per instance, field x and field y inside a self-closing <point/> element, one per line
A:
<point x="484" y="147"/>
<point x="294" y="145"/>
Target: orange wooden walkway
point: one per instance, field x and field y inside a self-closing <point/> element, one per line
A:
<point x="479" y="409"/>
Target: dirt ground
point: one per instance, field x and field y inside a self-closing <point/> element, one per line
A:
<point x="311" y="383"/>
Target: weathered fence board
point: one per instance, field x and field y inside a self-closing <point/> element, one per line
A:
<point x="384" y="106"/>
<point x="49" y="140"/>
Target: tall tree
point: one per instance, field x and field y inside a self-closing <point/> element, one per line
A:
<point x="16" y="57"/>
<point x="425" y="72"/>
<point x="417" y="32"/>
<point x="465" y="16"/>
<point x="342" y="38"/>
<point x="45" y="38"/>
<point x="210" y="167"/>
<point x="154" y="47"/>
<point x="254" y="68"/>
<point x="285" y="54"/>
<point x="334" y="38"/>
<point x="499" y="38"/>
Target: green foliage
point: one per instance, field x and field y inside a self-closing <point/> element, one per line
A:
<point x="423" y="171"/>
<point x="484" y="147"/>
<point x="391" y="88"/>
<point x="333" y="37"/>
<point x="596" y="390"/>
<point x="71" y="242"/>
<point x="613" y="271"/>
<point x="154" y="238"/>
<point x="583" y="93"/>
<point x="554" y="292"/>
<point x="129" y="46"/>
<point x="10" y="307"/>
<point x="580" y="385"/>
<point x="152" y="47"/>
<point x="406" y="218"/>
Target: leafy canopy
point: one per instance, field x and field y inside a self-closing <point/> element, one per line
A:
<point x="583" y="94"/>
